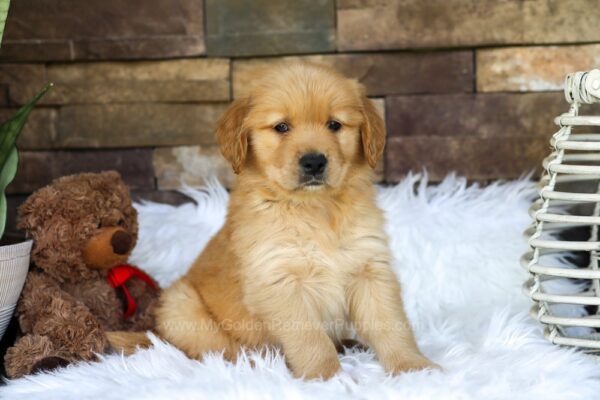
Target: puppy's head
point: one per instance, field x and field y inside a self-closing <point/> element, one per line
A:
<point x="302" y="127"/>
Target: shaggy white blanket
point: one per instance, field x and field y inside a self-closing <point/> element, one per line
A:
<point x="457" y="252"/>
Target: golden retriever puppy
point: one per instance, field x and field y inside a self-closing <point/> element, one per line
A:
<point x="303" y="254"/>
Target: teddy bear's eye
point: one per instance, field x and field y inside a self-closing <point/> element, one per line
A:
<point x="121" y="222"/>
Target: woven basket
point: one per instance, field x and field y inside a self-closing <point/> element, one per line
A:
<point x="564" y="239"/>
<point x="14" y="264"/>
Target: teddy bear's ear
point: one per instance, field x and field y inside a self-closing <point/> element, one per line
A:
<point x="111" y="175"/>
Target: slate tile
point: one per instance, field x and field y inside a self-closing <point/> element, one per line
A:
<point x="39" y="168"/>
<point x="532" y="68"/>
<point x="262" y="27"/>
<point x="190" y="166"/>
<point x="137" y="125"/>
<point x="381" y="73"/>
<point x="43" y="30"/>
<point x="483" y="136"/>
<point x="407" y="24"/>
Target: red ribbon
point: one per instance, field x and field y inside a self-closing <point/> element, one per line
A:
<point x="119" y="275"/>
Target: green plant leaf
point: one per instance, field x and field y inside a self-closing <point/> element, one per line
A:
<point x="10" y="130"/>
<point x="4" y="4"/>
<point x="7" y="174"/>
<point x="9" y="156"/>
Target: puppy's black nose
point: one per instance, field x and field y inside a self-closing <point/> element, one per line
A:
<point x="313" y="163"/>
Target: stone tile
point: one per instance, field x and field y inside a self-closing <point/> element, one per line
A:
<point x="39" y="131"/>
<point x="485" y="136"/>
<point x="263" y="27"/>
<point x="39" y="168"/>
<point x="35" y="51"/>
<point x="485" y="115"/>
<point x="4" y="101"/>
<point x="138" y="48"/>
<point x="196" y="69"/>
<point x="12" y="205"/>
<point x="160" y="196"/>
<point x="404" y="24"/>
<point x="476" y="158"/>
<point x="381" y="73"/>
<point x="188" y="80"/>
<point x="23" y="81"/>
<point x="191" y="166"/>
<point x="535" y="68"/>
<point x="137" y="125"/>
<point x="103" y="29"/>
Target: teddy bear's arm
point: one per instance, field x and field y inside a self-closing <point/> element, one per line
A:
<point x="101" y="299"/>
<point x="58" y="329"/>
<point x="47" y="310"/>
<point x="146" y="299"/>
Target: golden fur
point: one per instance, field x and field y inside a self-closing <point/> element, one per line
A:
<point x="295" y="265"/>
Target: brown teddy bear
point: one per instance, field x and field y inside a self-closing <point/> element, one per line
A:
<point x="84" y="228"/>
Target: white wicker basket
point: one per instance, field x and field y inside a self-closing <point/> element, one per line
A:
<point x="569" y="201"/>
<point x="14" y="264"/>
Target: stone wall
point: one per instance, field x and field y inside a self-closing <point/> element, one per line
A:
<point x="465" y="85"/>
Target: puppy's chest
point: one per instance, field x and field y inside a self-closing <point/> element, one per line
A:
<point x="339" y="244"/>
<point x="317" y="252"/>
<point x="322" y="247"/>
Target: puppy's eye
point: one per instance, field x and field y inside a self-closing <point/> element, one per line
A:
<point x="334" y="126"/>
<point x="282" y="127"/>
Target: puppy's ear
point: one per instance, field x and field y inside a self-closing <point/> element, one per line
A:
<point x="372" y="133"/>
<point x="232" y="134"/>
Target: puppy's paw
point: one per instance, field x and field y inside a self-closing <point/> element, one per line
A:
<point x="323" y="367"/>
<point x="409" y="362"/>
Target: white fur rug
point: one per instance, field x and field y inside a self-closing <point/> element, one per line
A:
<point x="457" y="251"/>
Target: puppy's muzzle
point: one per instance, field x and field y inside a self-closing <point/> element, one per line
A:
<point x="312" y="168"/>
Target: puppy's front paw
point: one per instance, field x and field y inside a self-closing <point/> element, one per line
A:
<point x="408" y="362"/>
<point x="323" y="366"/>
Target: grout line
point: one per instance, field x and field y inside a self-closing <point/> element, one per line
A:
<point x="474" y="61"/>
<point x="230" y="79"/>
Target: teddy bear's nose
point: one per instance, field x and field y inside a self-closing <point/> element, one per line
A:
<point x="121" y="242"/>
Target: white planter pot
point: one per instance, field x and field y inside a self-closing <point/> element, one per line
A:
<point x="14" y="264"/>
